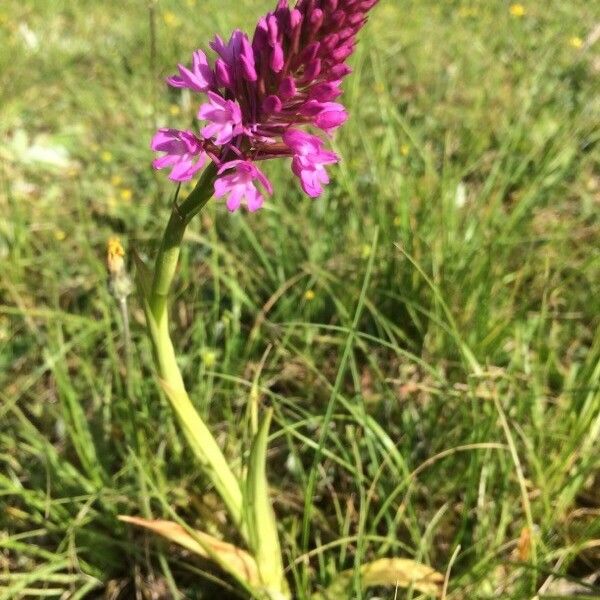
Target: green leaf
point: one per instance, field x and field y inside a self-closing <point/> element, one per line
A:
<point x="262" y="524"/>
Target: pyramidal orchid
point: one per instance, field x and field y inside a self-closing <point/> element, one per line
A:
<point x="262" y="95"/>
<point x="275" y="95"/>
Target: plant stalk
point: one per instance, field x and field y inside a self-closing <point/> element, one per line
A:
<point x="201" y="441"/>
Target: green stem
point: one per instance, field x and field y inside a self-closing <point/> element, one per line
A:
<point x="170" y="247"/>
<point x="201" y="441"/>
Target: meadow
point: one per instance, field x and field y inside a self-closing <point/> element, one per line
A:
<point x="434" y="317"/>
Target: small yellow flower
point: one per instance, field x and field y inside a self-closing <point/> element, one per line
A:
<point x="309" y="295"/>
<point x="170" y="19"/>
<point x="517" y="10"/>
<point x="116" y="180"/>
<point x="576" y="42"/>
<point x="174" y="110"/>
<point x="467" y="11"/>
<point x="404" y="149"/>
<point x="209" y="357"/>
<point x="106" y="156"/>
<point x="366" y="251"/>
<point x="59" y="235"/>
<point x="126" y="194"/>
<point x="115" y="255"/>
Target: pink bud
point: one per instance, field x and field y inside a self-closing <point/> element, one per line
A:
<point x="272" y="104"/>
<point x="312" y="70"/>
<point x="356" y="19"/>
<point x="332" y="116"/>
<point x="325" y="92"/>
<point x="222" y="73"/>
<point x="338" y="72"/>
<point x="277" y="58"/>
<point x="260" y="40"/>
<point x="309" y="53"/>
<point x="295" y="19"/>
<point x="316" y="20"/>
<point x="329" y="43"/>
<point x="337" y="19"/>
<point x="287" y="88"/>
<point x="344" y="51"/>
<point x="273" y="29"/>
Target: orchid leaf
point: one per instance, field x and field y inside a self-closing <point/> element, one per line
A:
<point x="206" y="451"/>
<point x="389" y="572"/>
<point x="260" y="518"/>
<point x="230" y="558"/>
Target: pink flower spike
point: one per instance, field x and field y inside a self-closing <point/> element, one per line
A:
<point x="237" y="182"/>
<point x="225" y="118"/>
<point x="181" y="149"/>
<point x="200" y="78"/>
<point x="309" y="160"/>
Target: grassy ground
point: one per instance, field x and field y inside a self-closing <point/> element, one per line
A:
<point x="467" y="205"/>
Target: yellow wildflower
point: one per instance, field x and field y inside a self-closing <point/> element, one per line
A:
<point x="309" y="295"/>
<point x="126" y="194"/>
<point x="209" y="357"/>
<point x="115" y="256"/>
<point x="404" y="149"/>
<point x="106" y="156"/>
<point x="576" y="42"/>
<point x="174" y="110"/>
<point x="59" y="235"/>
<point x="170" y="19"/>
<point x="467" y="11"/>
<point x="517" y="10"/>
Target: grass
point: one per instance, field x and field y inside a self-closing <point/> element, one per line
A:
<point x="454" y="404"/>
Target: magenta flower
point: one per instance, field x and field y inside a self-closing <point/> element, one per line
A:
<point x="184" y="153"/>
<point x="200" y="78"/>
<point x="225" y="119"/>
<point x="260" y="93"/>
<point x="237" y="182"/>
<point x="309" y="159"/>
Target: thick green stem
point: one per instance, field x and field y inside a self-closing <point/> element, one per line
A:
<point x="170" y="247"/>
<point x="201" y="441"/>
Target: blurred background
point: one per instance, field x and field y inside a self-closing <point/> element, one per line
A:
<point x="467" y="204"/>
